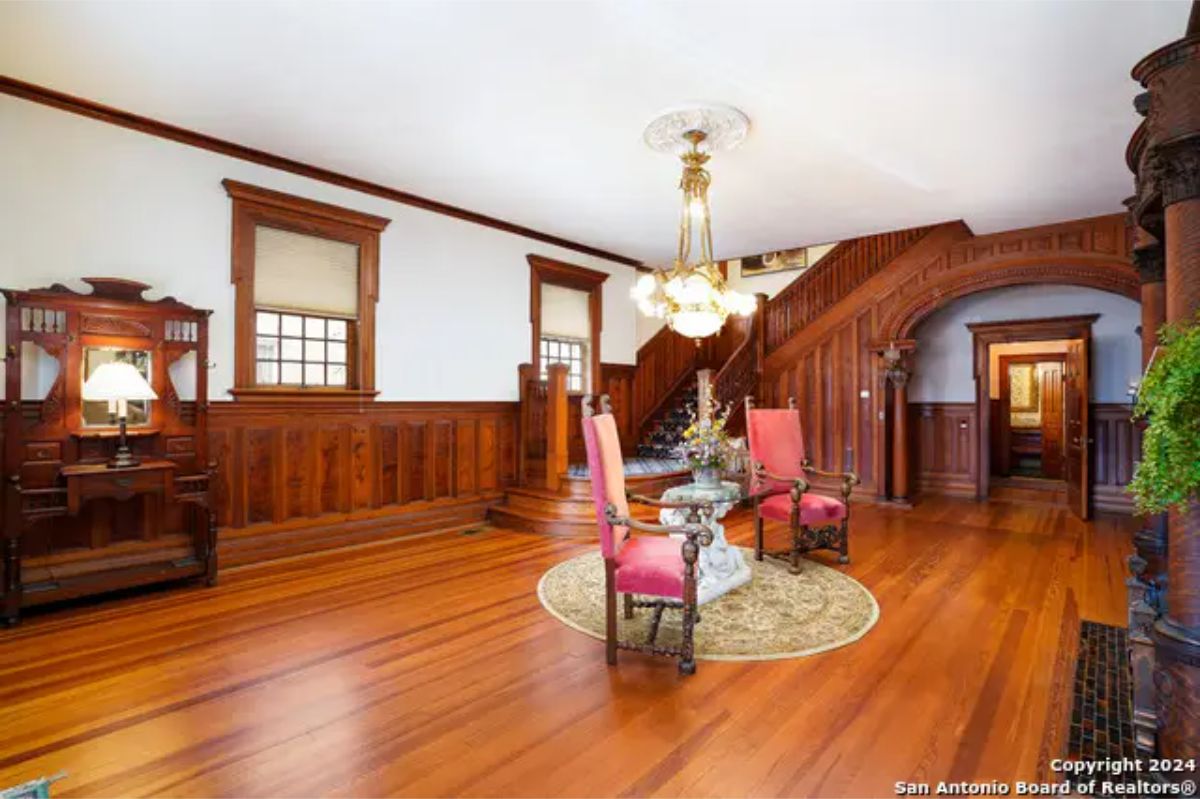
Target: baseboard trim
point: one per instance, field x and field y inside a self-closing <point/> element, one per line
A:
<point x="263" y="542"/>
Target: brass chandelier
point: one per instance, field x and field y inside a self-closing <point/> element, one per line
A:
<point x="693" y="297"/>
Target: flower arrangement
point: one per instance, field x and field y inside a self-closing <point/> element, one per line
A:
<point x="706" y="444"/>
<point x="1169" y="400"/>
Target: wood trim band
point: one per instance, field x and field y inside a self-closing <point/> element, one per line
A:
<point x="125" y="119"/>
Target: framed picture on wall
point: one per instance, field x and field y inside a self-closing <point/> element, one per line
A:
<point x="1023" y="387"/>
<point x="771" y="262"/>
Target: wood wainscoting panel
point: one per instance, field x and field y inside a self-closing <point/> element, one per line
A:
<point x="945" y="459"/>
<point x="1116" y="446"/>
<point x="296" y="478"/>
<point x="616" y="380"/>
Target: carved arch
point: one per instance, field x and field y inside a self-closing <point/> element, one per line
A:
<point x="1114" y="274"/>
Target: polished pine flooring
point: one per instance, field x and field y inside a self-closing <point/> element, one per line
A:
<point x="427" y="667"/>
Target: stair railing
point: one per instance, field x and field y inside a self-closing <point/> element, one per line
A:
<point x="739" y="377"/>
<point x="664" y="364"/>
<point x="844" y="268"/>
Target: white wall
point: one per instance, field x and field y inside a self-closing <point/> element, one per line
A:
<point x="943" y="367"/>
<point x="81" y="198"/>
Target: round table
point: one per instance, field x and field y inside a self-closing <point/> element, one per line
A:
<point x="722" y="567"/>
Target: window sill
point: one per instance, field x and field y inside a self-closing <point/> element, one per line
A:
<point x="304" y="396"/>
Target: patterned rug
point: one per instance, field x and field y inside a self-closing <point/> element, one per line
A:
<point x="776" y="615"/>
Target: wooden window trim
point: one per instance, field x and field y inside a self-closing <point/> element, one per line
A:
<point x="559" y="273"/>
<point x="253" y="206"/>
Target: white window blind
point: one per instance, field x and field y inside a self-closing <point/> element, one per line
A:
<point x="298" y="272"/>
<point x="565" y="312"/>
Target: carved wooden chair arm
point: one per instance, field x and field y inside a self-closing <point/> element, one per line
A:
<point x="695" y="532"/>
<point x="849" y="479"/>
<point x="798" y="484"/>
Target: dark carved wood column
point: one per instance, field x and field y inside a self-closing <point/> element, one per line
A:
<point x="1147" y="567"/>
<point x="1151" y="540"/>
<point x="897" y="369"/>
<point x="1165" y="156"/>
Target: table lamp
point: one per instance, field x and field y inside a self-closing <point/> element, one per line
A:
<point x="117" y="383"/>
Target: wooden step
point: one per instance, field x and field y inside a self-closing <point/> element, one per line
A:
<point x="528" y="521"/>
<point x="548" y="504"/>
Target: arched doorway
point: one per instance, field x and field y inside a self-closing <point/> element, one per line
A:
<point x="1106" y="271"/>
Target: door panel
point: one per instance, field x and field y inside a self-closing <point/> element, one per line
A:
<point x="1052" y="420"/>
<point x="1075" y="412"/>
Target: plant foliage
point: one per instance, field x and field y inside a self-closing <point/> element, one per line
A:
<point x="1169" y="401"/>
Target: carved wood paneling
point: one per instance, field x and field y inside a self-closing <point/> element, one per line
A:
<point x="302" y="470"/>
<point x="945" y="451"/>
<point x="829" y="363"/>
<point x="836" y="274"/>
<point x="616" y="380"/>
<point x="1116" y="447"/>
<point x="944" y="447"/>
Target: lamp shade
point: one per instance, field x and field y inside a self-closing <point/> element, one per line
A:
<point x="117" y="381"/>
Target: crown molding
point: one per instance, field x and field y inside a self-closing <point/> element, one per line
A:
<point x="126" y="119"/>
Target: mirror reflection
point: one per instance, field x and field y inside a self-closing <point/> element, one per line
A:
<point x="99" y="414"/>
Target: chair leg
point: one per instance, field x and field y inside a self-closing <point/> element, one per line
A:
<point x="795" y="557"/>
<point x="610" y="613"/>
<point x="758" y="534"/>
<point x="628" y="606"/>
<point x="687" y="660"/>
<point x="844" y="547"/>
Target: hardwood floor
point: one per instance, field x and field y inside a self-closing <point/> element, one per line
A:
<point x="426" y="666"/>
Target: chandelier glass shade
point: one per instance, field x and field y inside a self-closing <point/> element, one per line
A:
<point x="692" y="296"/>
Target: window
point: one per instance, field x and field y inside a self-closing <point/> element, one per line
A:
<point x="306" y="275"/>
<point x="572" y="352"/>
<point x="301" y="350"/>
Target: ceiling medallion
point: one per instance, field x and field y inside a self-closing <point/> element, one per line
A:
<point x="693" y="297"/>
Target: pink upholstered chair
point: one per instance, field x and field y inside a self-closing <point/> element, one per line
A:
<point x="660" y="570"/>
<point x="780" y="488"/>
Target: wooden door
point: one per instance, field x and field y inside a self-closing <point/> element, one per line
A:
<point x="1075" y="412"/>
<point x="1051" y="402"/>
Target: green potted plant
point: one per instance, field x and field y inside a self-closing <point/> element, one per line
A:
<point x="1168" y="476"/>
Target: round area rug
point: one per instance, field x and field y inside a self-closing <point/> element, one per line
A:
<point x="776" y="615"/>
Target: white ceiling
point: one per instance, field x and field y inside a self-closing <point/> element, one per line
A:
<point x="865" y="116"/>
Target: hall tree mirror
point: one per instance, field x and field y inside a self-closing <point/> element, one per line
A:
<point x="103" y="414"/>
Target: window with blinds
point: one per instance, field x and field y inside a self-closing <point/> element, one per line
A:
<point x="306" y="303"/>
<point x="306" y="276"/>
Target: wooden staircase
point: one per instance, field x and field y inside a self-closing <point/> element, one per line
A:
<point x="550" y="502"/>
<point x="570" y="512"/>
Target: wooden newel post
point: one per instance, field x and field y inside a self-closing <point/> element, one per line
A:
<point x="759" y="331"/>
<point x="524" y="375"/>
<point x="556" y="425"/>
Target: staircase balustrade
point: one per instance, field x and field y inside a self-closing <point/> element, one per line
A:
<point x="843" y="269"/>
